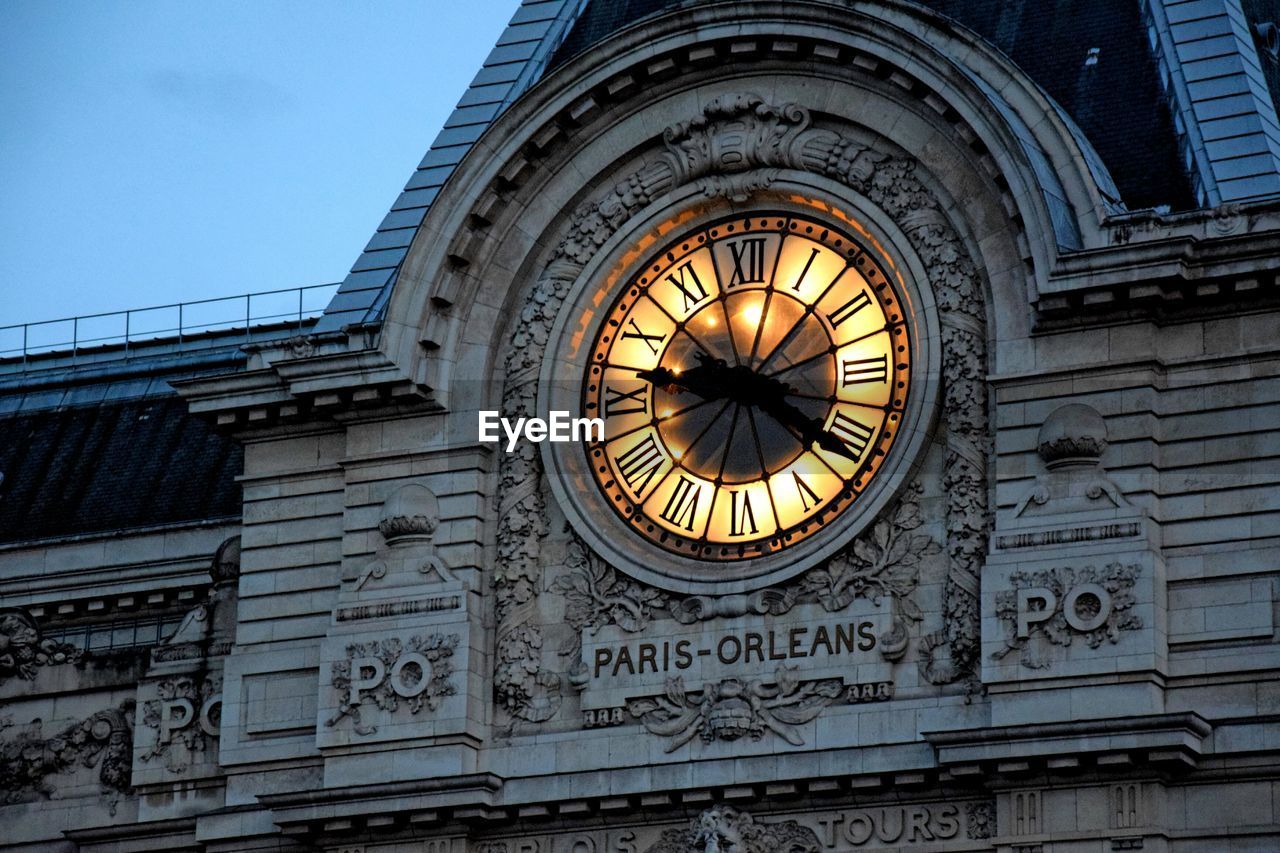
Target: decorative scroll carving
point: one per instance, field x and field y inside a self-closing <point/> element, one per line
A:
<point x="23" y="650"/>
<point x="28" y="763"/>
<point x="724" y="829"/>
<point x="743" y="137"/>
<point x="379" y="672"/>
<point x="736" y="145"/>
<point x="733" y="709"/>
<point x="697" y="608"/>
<point x="199" y="709"/>
<point x="1092" y="603"/>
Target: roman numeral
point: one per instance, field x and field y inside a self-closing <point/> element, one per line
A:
<point x="740" y="514"/>
<point x="634" y="401"/>
<point x="748" y="261"/>
<point x="855" y="371"/>
<point x="855" y="434"/>
<point x="639" y="334"/>
<point x="682" y="507"/>
<point x="813" y="253"/>
<point x="638" y="465"/>
<point x="693" y="291"/>
<point x="847" y="310"/>
<point x="806" y="493"/>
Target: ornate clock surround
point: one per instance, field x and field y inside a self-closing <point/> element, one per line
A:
<point x="685" y="210"/>
<point x="810" y="163"/>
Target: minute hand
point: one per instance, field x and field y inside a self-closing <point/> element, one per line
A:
<point x="809" y="429"/>
<point x="769" y="395"/>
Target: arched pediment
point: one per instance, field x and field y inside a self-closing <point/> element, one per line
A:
<point x="1022" y="182"/>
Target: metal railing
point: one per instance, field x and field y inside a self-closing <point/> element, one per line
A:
<point x="178" y="322"/>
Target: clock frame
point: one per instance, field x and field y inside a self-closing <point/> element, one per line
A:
<point x="813" y="400"/>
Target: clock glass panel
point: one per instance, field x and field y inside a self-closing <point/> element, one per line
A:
<point x="752" y="377"/>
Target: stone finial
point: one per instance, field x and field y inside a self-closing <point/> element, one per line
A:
<point x="1073" y="436"/>
<point x="412" y="512"/>
<point x="225" y="567"/>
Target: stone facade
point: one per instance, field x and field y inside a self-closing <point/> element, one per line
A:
<point x="1054" y="629"/>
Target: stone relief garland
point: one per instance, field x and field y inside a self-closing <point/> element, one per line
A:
<point x="23" y="650"/>
<point x="885" y="561"/>
<point x="104" y="739"/>
<point x="595" y="596"/>
<point x="735" y="146"/>
<point x="724" y="829"/>
<point x="733" y="708"/>
<point x="1117" y="579"/>
<point x="436" y="648"/>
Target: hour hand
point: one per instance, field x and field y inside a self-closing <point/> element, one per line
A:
<point x="707" y="380"/>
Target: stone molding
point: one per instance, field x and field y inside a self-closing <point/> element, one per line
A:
<point x="733" y="130"/>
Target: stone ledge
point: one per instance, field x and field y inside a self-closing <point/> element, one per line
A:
<point x="1170" y="739"/>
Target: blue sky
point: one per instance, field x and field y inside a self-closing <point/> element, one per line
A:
<point x="156" y="152"/>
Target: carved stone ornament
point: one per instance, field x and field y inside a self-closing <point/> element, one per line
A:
<point x="225" y="567"/>
<point x="1095" y="604"/>
<point x="733" y="708"/>
<point x="596" y="596"/>
<point x="23" y="650"/>
<point x="186" y="718"/>
<point x="980" y="819"/>
<point x="731" y="148"/>
<point x="724" y="829"/>
<point x="412" y="511"/>
<point x="379" y="672"/>
<point x="31" y="763"/>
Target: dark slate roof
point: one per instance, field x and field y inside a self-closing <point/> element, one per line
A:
<point x="91" y="446"/>
<point x="1115" y="101"/>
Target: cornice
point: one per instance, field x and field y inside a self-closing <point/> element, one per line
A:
<point x="1160" y="740"/>
<point x="298" y="381"/>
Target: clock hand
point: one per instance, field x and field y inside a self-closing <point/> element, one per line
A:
<point x="707" y="380"/>
<point x="714" y="379"/>
<point x="768" y="394"/>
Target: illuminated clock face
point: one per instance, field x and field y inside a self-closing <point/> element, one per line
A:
<point x="752" y="378"/>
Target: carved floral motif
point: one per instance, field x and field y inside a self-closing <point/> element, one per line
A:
<point x="437" y="649"/>
<point x="733" y="708"/>
<point x="29" y="762"/>
<point x="1116" y="579"/>
<point x="597" y="596"/>
<point x="724" y="829"/>
<point x="23" y="650"/>
<point x="884" y="561"/>
<point x="980" y="819"/>
<point x="742" y="137"/>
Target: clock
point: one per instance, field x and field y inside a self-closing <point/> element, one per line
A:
<point x="752" y="377"/>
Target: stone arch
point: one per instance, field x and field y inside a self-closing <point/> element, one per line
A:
<point x="1004" y="120"/>
<point x="737" y="145"/>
